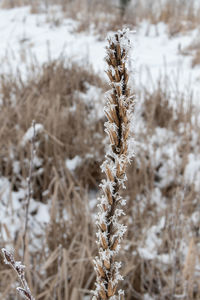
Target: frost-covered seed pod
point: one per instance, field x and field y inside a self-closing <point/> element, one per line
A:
<point x="118" y="111"/>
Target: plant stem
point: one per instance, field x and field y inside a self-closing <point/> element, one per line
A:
<point x="118" y="111"/>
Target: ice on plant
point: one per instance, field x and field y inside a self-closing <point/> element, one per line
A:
<point x="31" y="132"/>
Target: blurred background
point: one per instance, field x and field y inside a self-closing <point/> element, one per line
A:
<point x="52" y="71"/>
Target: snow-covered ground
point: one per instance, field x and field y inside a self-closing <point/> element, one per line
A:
<point x="154" y="54"/>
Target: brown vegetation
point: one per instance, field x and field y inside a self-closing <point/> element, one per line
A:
<point x="65" y="268"/>
<point x="102" y="16"/>
<point x="119" y="112"/>
<point x="194" y="49"/>
<point x="59" y="254"/>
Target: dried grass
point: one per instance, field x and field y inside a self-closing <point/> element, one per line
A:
<point x="102" y="16"/>
<point x="51" y="98"/>
<point x="194" y="50"/>
<point x="64" y="270"/>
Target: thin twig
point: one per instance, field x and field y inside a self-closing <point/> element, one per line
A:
<point x="30" y="191"/>
<point x="20" y="270"/>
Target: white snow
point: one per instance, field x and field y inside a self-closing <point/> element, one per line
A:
<point x="28" y="36"/>
<point x="71" y="164"/>
<point x="147" y="297"/>
<point x="33" y="130"/>
<point x="153" y="241"/>
<point x="10" y="207"/>
<point x="12" y="213"/>
<point x="153" y="56"/>
<point x="192" y="171"/>
<point x="91" y="99"/>
<point x="196" y="218"/>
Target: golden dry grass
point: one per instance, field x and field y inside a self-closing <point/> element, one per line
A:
<point x="51" y="98"/>
<point x="193" y="49"/>
<point x="61" y="265"/>
<point x="48" y="97"/>
<point x="102" y="16"/>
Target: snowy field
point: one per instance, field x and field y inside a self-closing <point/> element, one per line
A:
<point x="154" y="55"/>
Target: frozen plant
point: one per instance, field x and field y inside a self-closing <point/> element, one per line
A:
<point x="20" y="270"/>
<point x="119" y="112"/>
<point x="32" y="137"/>
<point x="8" y="257"/>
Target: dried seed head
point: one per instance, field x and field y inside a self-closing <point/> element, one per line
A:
<point x="114" y="117"/>
<point x="114" y="138"/>
<point x="118" y="113"/>
<point x="109" y="75"/>
<point x="103" y="294"/>
<point x="7" y="257"/>
<point x="107" y="264"/>
<point x="109" y="174"/>
<point x="115" y="244"/>
<point x="126" y="133"/>
<point x="104" y="207"/>
<point x="103" y="226"/>
<point x="104" y="242"/>
<point x="101" y="271"/>
<point x="109" y="117"/>
<point x="111" y="289"/>
<point x="109" y="196"/>
<point x="117" y="75"/>
<point x="119" y="171"/>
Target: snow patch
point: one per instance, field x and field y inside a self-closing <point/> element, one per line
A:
<point x="33" y="130"/>
<point x="73" y="163"/>
<point x="192" y="171"/>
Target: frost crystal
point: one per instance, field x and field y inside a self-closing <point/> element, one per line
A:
<point x="19" y="269"/>
<point x="31" y="132"/>
<point x="118" y="111"/>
